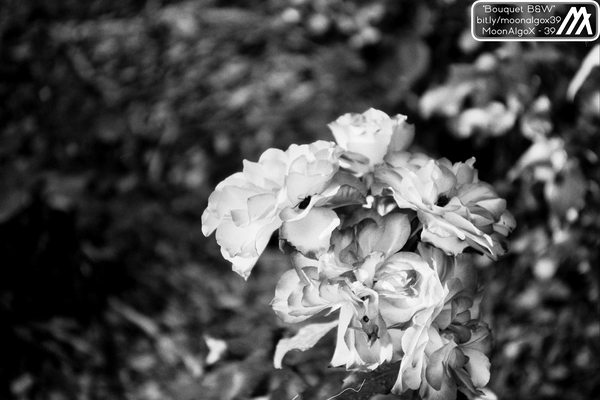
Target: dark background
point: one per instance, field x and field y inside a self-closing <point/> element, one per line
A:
<point x="117" y="120"/>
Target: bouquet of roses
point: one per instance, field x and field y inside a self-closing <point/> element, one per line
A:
<point x="380" y="234"/>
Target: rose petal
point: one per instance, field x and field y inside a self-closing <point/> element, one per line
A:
<point x="242" y="245"/>
<point x="393" y="236"/>
<point x="478" y="366"/>
<point x="261" y="206"/>
<point x="403" y="136"/>
<point x="311" y="234"/>
<point x="435" y="366"/>
<point x="342" y="353"/>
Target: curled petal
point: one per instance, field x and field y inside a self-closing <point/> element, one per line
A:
<point x="288" y="283"/>
<point x="413" y="345"/>
<point x="300" y="186"/>
<point x="506" y="224"/>
<point x="442" y="234"/>
<point x="478" y="367"/>
<point x="342" y="354"/>
<point x="435" y="371"/>
<point x="388" y="236"/>
<point x="243" y="245"/>
<point x="311" y="234"/>
<point x="246" y="207"/>
<point x="344" y="189"/>
<point x="358" y="350"/>
<point x="297" y="297"/>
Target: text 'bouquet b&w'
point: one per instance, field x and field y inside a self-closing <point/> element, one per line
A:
<point x="379" y="234"/>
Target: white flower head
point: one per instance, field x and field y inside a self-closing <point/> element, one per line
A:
<point x="372" y="133"/>
<point x="281" y="188"/>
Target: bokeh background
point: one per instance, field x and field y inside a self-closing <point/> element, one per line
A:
<point x="117" y="119"/>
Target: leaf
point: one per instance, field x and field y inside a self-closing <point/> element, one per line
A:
<point x="567" y="191"/>
<point x="15" y="192"/>
<point x="12" y="201"/>
<point x="233" y="380"/>
<point x="363" y="386"/>
<point x="216" y="349"/>
<point x="447" y="100"/>
<point x="591" y="60"/>
<point x="145" y="323"/>
<point x="543" y="152"/>
<point x="305" y="339"/>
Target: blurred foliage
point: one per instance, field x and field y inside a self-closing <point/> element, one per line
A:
<point x="119" y="118"/>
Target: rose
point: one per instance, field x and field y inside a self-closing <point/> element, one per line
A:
<point x="364" y="275"/>
<point x="454" y="207"/>
<point x="365" y="232"/>
<point x="407" y="285"/>
<point x="410" y="297"/>
<point x="244" y="210"/>
<point x="452" y="362"/>
<point x="459" y="276"/>
<point x="282" y="188"/>
<point x="363" y="342"/>
<point x="372" y="133"/>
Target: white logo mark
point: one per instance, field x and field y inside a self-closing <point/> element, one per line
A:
<point x="585" y="23"/>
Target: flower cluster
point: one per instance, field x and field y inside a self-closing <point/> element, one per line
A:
<point x="379" y="234"/>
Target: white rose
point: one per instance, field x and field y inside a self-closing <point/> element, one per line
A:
<point x="293" y="189"/>
<point x="372" y="133"/>
<point x="410" y="297"/>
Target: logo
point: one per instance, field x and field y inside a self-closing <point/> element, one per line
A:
<point x="522" y="20"/>
<point x="576" y="15"/>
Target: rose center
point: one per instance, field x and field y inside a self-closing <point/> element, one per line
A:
<point x="442" y="201"/>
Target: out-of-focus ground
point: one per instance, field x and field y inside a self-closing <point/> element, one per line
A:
<point x="117" y="119"/>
